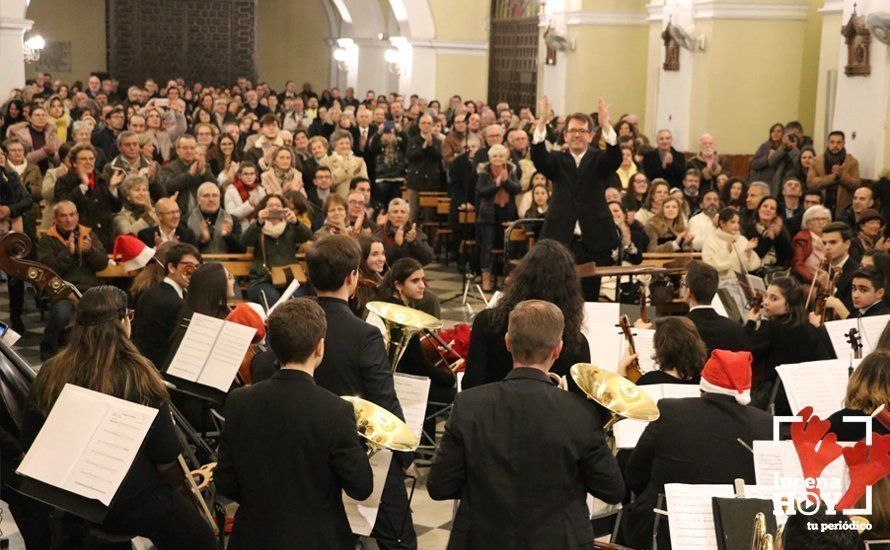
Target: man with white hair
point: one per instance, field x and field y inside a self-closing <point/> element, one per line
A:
<point x="708" y="162"/>
<point x="664" y="161"/>
<point x="214" y="228"/>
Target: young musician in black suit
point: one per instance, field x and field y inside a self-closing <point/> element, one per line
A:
<point x="99" y="356"/>
<point x="670" y="449"/>
<point x="158" y="308"/>
<point x="522" y="454"/>
<point x="578" y="215"/>
<point x="836" y="237"/>
<point x="287" y="474"/>
<point x="867" y="290"/>
<point x="716" y="331"/>
<point x="356" y="363"/>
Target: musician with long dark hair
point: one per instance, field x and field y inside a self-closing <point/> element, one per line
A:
<point x="546" y="273"/>
<point x="100" y="356"/>
<point x="679" y="353"/>
<point x="404" y="285"/>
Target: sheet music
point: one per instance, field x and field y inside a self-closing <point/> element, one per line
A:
<point x="603" y="335"/>
<point x="460" y="380"/>
<point x="362" y="514"/>
<point x="756" y="283"/>
<point x="777" y="465"/>
<point x="413" y="393"/>
<point x="871" y="329"/>
<point x="819" y="384"/>
<point x="88" y="443"/>
<point x="692" y="514"/>
<point x="286" y="295"/>
<point x="838" y="331"/>
<point x="211" y="351"/>
<point x="644" y="342"/>
<point x="718" y="306"/>
<point x="628" y="431"/>
<point x="494" y="299"/>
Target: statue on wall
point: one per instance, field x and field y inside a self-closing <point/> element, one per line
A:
<point x="858" y="40"/>
<point x="671" y="50"/>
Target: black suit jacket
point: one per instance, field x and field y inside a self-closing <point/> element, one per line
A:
<point x="718" y="332"/>
<point x="579" y="196"/>
<point x="183" y="233"/>
<point x="288" y="449"/>
<point x="355" y="360"/>
<point x="674" y="172"/>
<point x="522" y="455"/>
<point x="156" y="314"/>
<point x="844" y="288"/>
<point x="878" y="308"/>
<point x="670" y="451"/>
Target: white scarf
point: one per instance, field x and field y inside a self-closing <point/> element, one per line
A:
<point x="274" y="229"/>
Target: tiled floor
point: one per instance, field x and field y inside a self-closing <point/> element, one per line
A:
<point x="432" y="519"/>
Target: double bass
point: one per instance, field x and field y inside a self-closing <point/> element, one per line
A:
<point x="16" y="375"/>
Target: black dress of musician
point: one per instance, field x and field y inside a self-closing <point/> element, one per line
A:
<point x="546" y="273"/>
<point x="290" y="446"/>
<point x="99" y="356"/>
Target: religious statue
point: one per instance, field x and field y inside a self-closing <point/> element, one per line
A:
<point x="858" y="40"/>
<point x="671" y="50"/>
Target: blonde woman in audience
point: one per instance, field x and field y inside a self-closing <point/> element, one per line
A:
<point x="667" y="229"/>
<point x="727" y="250"/>
<point x="136" y="211"/>
<point x="658" y="192"/>
<point x="343" y="163"/>
<point x="281" y="176"/>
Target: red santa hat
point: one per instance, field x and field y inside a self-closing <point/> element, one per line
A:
<point x="728" y="373"/>
<point x="134" y="253"/>
<point x="252" y="315"/>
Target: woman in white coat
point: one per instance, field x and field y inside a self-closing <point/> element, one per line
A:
<point x="243" y="194"/>
<point x="727" y="250"/>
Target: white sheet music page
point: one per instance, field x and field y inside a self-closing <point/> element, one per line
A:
<point x="603" y="334"/>
<point x="211" y="351"/>
<point x="872" y="327"/>
<point x="776" y="464"/>
<point x="629" y="431"/>
<point x="644" y="343"/>
<point x="818" y="384"/>
<point x="362" y="514"/>
<point x="88" y="443"/>
<point x="691" y="514"/>
<point x="413" y="393"/>
<point x="838" y="331"/>
<point x="286" y="295"/>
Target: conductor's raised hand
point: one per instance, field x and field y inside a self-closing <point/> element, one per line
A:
<point x="543" y="112"/>
<point x="605" y="119"/>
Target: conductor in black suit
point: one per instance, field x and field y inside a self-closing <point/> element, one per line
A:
<point x="578" y="215"/>
<point x="290" y="446"/>
<point x="522" y="454"/>
<point x="356" y="363"/>
<point x="717" y="331"/>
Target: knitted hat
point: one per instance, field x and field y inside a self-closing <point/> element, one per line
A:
<point x="252" y="315"/>
<point x="868" y="215"/>
<point x="133" y="252"/>
<point x="728" y="373"/>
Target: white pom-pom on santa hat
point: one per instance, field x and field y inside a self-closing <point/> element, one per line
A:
<point x="728" y="373"/>
<point x="134" y="253"/>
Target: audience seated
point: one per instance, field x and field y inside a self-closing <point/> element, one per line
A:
<point x="667" y="230"/>
<point x="137" y="212"/>
<point x="727" y="250"/>
<point x="344" y="164"/>
<point x="401" y="238"/>
<point x="215" y="229"/>
<point x="767" y="230"/>
<point x="183" y="176"/>
<point x="243" y="193"/>
<point x="281" y="175"/>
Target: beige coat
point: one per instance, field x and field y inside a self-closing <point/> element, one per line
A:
<point x="848" y="182"/>
<point x="343" y="170"/>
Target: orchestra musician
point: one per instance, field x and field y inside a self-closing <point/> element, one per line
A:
<point x="699" y="289"/>
<point x="868" y="389"/>
<point x="521" y="454"/>
<point x="669" y="450"/>
<point x="371" y="272"/>
<point x="679" y="353"/>
<point x="546" y="272"/>
<point x="355" y="363"/>
<point x="100" y="356"/>
<point x="867" y="291"/>
<point x="836" y="237"/>
<point x="158" y="308"/>
<point x="287" y="474"/>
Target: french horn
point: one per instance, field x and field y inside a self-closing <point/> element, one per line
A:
<point x="381" y="428"/>
<point x="623" y="398"/>
<point x="408" y="320"/>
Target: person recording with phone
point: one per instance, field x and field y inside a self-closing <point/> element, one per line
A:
<point x="275" y="236"/>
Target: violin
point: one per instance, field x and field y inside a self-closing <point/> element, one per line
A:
<point x="822" y="295"/>
<point x="13" y="248"/>
<point x="757" y="302"/>
<point x="633" y="370"/>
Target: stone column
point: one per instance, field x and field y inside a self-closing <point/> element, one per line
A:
<point x="13" y="27"/>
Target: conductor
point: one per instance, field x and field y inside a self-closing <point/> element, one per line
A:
<point x="578" y="215"/>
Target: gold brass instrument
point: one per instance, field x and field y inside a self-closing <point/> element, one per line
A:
<point x="559" y="381"/>
<point x="408" y="320"/>
<point x="381" y="428"/>
<point x="614" y="392"/>
<point x="761" y="540"/>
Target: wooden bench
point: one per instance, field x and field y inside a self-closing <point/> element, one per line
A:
<point x="659" y="259"/>
<point x="236" y="264"/>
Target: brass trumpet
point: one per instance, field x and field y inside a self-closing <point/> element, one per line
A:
<point x="409" y="321"/>
<point x="614" y="392"/>
<point x="381" y="428"/>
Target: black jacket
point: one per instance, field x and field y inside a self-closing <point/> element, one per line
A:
<point x="876" y="309"/>
<point x="489" y="361"/>
<point x="522" y="455"/>
<point x="852" y="431"/>
<point x="718" y="332"/>
<point x="488" y="212"/>
<point x="355" y="360"/>
<point x="674" y="172"/>
<point x="96" y="206"/>
<point x="288" y="449"/>
<point x="462" y="181"/>
<point x="670" y="451"/>
<point x="183" y="233"/>
<point x="579" y="196"/>
<point x="844" y="288"/>
<point x="175" y="178"/>
<point x="424" y="171"/>
<point x="776" y="343"/>
<point x="155" y="322"/>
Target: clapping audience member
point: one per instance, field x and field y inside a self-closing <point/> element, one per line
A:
<point x="727" y="250"/>
<point x="281" y="175"/>
<point x="760" y="166"/>
<point x="217" y="232"/>
<point x="137" y="211"/>
<point x="401" y="237"/>
<point x="667" y="230"/>
<point x="772" y="238"/>
<point x="243" y="194"/>
<point x="495" y="189"/>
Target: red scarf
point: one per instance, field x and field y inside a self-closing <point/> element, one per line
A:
<point x="244" y="192"/>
